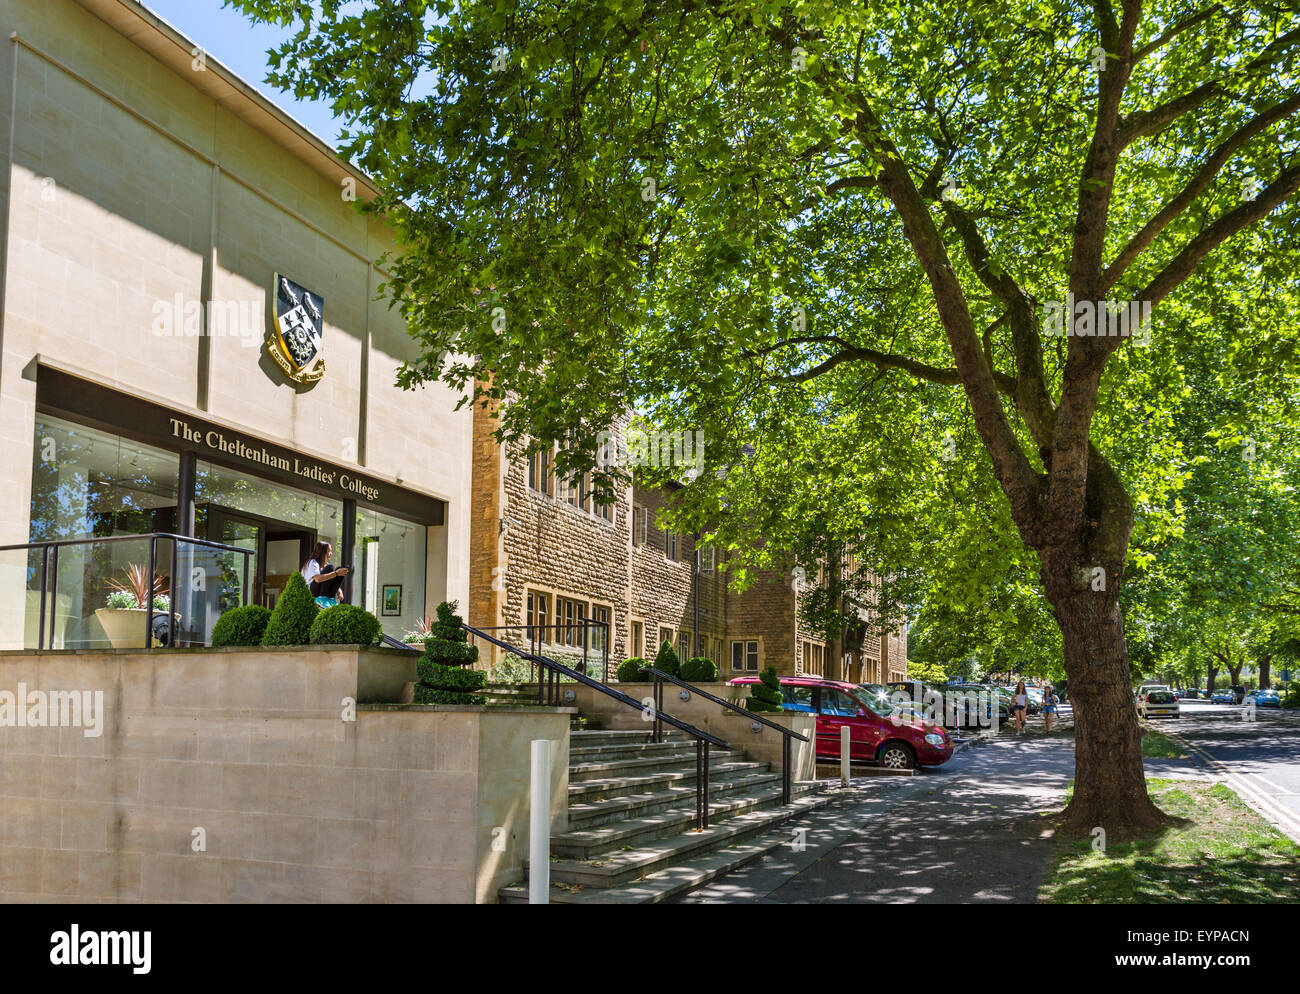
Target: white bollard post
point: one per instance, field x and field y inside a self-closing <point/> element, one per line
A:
<point x="539" y="828"/>
<point x="844" y="755"/>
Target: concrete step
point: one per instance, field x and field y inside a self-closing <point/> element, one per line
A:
<point x="668" y="761"/>
<point x="601" y="788"/>
<point x="603" y="736"/>
<point x="634" y="833"/>
<point x="673" y="864"/>
<point x="584" y="754"/>
<point x="636" y="804"/>
<point x="665" y="884"/>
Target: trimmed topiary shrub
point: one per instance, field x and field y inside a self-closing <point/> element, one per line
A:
<point x="294" y="612"/>
<point x="442" y="668"/>
<point x="766" y="695"/>
<point x="629" y="671"/>
<point x="346" y="624"/>
<point x="241" y="626"/>
<point x="700" y="669"/>
<point x="667" y="661"/>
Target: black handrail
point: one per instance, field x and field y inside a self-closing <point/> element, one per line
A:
<point x="537" y="638"/>
<point x="789" y="733"/>
<point x="50" y="577"/>
<point x="555" y="670"/>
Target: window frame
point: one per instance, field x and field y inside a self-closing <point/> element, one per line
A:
<point x="746" y="653"/>
<point x="534" y="618"/>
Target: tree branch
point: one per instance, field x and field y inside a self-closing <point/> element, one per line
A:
<point x="1229" y="224"/>
<point x="1204" y="176"/>
<point x="1175" y="31"/>
<point x="889" y="360"/>
<point x="1147" y="122"/>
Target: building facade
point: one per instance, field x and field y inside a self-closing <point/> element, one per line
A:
<point x="190" y="344"/>
<point x="553" y="570"/>
<point x="190" y="340"/>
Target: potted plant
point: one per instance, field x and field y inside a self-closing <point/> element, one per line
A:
<point x="122" y="616"/>
<point x="423" y="629"/>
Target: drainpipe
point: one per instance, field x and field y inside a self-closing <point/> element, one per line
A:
<point x="695" y="595"/>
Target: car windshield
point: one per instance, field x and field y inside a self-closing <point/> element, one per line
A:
<point x="1160" y="697"/>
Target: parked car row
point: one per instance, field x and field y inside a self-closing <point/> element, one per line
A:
<point x="1266" y="698"/>
<point x="878" y="732"/>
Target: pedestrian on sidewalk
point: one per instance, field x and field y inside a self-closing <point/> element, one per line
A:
<point x="1049" y="706"/>
<point x="1019" y="704"/>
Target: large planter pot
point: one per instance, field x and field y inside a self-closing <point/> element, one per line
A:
<point x="124" y="627"/>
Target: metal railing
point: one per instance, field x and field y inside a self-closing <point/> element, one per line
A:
<point x="548" y="692"/>
<point x="49" y="553"/>
<point x="568" y="635"/>
<point x="787" y="733"/>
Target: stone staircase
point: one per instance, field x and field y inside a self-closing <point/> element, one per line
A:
<point x="525" y="695"/>
<point x="632" y="836"/>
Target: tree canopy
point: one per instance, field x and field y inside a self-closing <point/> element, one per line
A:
<point x="869" y="250"/>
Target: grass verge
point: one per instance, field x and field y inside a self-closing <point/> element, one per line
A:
<point x="1157" y="745"/>
<point x="1221" y="853"/>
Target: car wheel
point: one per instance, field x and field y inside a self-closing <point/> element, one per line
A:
<point x="896" y="756"/>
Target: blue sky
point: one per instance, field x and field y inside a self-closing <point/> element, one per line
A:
<point x="241" y="46"/>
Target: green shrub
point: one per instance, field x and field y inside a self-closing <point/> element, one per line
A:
<point x="629" y="671"/>
<point x="1292" y="699"/>
<point x="666" y="660"/>
<point x="294" y="612"/>
<point x="441" y="668"/>
<point x="700" y="669"/>
<point x="241" y="626"/>
<point x="345" y="624"/>
<point x="512" y="669"/>
<point x="766" y="695"/>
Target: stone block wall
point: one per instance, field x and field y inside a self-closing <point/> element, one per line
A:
<point x="249" y="753"/>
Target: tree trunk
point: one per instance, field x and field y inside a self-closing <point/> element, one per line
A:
<point x="1110" y="785"/>
<point x="1265" y="676"/>
<point x="1209" y="682"/>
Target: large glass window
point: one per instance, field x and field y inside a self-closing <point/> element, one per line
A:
<point x="391" y="562"/>
<point x="90" y="483"/>
<point x="87" y="482"/>
<point x="236" y="491"/>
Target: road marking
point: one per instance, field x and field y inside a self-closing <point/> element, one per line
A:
<point x="1288" y="819"/>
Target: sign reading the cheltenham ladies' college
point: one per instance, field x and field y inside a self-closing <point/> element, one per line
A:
<point x="296" y="341"/>
<point x="67" y="395"/>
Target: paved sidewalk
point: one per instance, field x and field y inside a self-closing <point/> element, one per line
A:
<point x="968" y="832"/>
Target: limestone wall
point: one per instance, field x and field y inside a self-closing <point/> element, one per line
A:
<point x="295" y="804"/>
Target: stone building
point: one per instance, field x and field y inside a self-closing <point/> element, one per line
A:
<point x="545" y="554"/>
<point x="189" y="342"/>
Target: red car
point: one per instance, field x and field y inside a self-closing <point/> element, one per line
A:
<point x="876" y="733"/>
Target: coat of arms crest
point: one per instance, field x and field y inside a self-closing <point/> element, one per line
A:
<point x="295" y="341"/>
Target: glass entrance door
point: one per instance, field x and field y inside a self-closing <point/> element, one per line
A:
<point x="279" y="549"/>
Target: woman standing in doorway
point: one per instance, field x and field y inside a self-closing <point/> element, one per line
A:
<point x="323" y="580"/>
<point x="1019" y="704"/>
<point x="1050" y="701"/>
